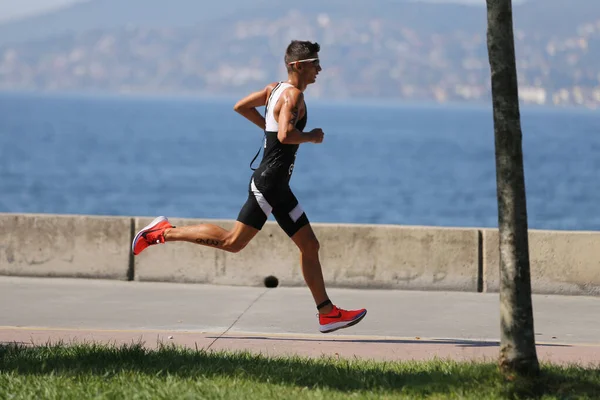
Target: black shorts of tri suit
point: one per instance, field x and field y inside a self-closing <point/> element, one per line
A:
<point x="276" y="199"/>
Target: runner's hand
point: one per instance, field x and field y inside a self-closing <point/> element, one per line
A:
<point x="316" y="135"/>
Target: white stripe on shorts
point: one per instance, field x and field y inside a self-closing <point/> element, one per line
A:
<point x="262" y="202"/>
<point x="296" y="213"/>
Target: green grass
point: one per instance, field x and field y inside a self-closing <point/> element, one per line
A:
<point x="86" y="371"/>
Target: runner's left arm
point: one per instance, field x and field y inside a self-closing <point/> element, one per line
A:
<point x="247" y="106"/>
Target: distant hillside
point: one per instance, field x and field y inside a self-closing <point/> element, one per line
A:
<point x="397" y="49"/>
<point x="110" y="14"/>
<point x="557" y="16"/>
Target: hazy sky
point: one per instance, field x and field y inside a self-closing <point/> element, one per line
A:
<point x="12" y="9"/>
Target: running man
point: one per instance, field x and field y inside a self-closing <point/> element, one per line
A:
<point x="269" y="191"/>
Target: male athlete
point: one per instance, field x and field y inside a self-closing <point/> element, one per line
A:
<point x="269" y="192"/>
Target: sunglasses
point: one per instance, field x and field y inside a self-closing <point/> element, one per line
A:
<point x="314" y="61"/>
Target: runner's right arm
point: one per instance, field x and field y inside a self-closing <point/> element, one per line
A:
<point x="288" y="116"/>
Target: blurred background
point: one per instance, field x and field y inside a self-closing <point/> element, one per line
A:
<point x="113" y="107"/>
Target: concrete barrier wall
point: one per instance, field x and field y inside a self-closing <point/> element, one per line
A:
<point x="65" y="246"/>
<point x="560" y="262"/>
<point x="361" y="256"/>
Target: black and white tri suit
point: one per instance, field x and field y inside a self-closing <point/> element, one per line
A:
<point x="269" y="190"/>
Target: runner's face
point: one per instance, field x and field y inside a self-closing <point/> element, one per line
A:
<point x="313" y="67"/>
<point x="309" y="67"/>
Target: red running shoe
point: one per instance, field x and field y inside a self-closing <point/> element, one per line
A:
<point x="151" y="234"/>
<point x="338" y="319"/>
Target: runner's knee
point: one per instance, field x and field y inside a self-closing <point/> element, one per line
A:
<point x="311" y="246"/>
<point x="234" y="244"/>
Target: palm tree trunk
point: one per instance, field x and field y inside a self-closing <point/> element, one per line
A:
<point x="517" y="345"/>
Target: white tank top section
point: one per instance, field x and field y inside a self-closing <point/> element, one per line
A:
<point x="271" y="124"/>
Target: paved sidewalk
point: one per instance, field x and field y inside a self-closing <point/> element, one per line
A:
<point x="400" y="325"/>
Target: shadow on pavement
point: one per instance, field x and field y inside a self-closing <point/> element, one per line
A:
<point x="454" y="342"/>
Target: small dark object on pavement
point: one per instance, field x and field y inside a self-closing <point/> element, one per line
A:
<point x="271" y="281"/>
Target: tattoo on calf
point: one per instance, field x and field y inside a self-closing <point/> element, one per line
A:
<point x="209" y="242"/>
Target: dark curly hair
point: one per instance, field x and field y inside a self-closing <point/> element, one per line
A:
<point x="300" y="50"/>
